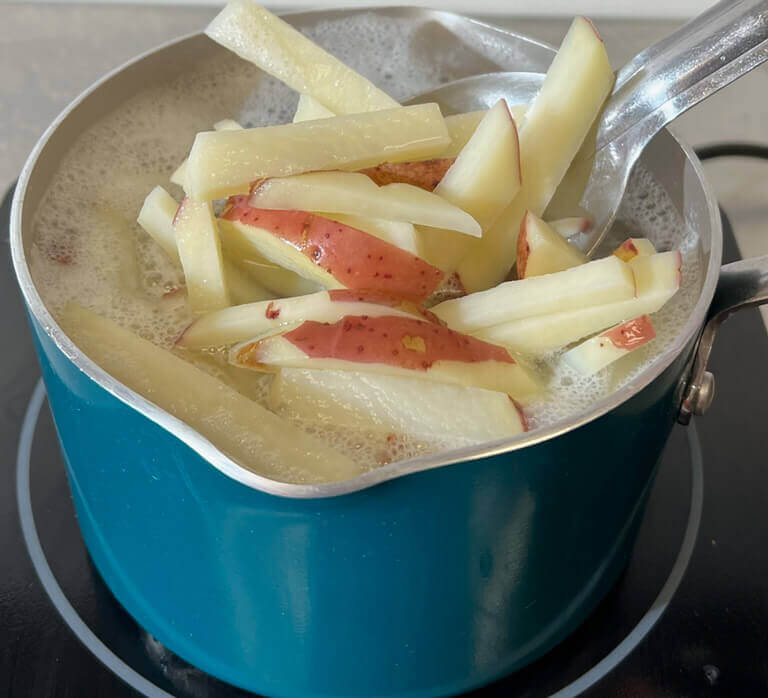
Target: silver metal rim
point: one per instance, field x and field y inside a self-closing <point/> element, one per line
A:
<point x="233" y="470"/>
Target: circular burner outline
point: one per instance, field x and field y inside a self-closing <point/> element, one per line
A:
<point x="146" y="687"/>
<point x="40" y="563"/>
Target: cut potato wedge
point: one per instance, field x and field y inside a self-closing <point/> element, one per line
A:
<point x="398" y="233"/>
<point x="558" y="120"/>
<point x="657" y="278"/>
<point x="596" y="353"/>
<point x="355" y="194"/>
<point x="309" y="108"/>
<point x="223" y="163"/>
<point x="595" y="283"/>
<point x="573" y="225"/>
<point x="240" y="249"/>
<point x="657" y="272"/>
<point x="542" y="250"/>
<point x="331" y="253"/>
<point x="250" y="434"/>
<point x="197" y="240"/>
<point x="634" y="247"/>
<point x="462" y="126"/>
<point x="279" y="252"/>
<point x="397" y="346"/>
<point x="425" y="174"/>
<point x="180" y="174"/>
<point x="270" y="43"/>
<point x="484" y="179"/>
<point x="486" y="174"/>
<point x="238" y="323"/>
<point x="156" y="217"/>
<point x="423" y="410"/>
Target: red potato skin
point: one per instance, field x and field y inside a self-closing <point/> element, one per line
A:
<point x="355" y="258"/>
<point x="272" y="313"/>
<point x="395" y="341"/>
<point x="178" y="211"/>
<point x="425" y="174"/>
<point x="523" y="248"/>
<point x="626" y="250"/>
<point x="594" y="28"/>
<point x="520" y="411"/>
<point x="517" y="143"/>
<point x="631" y="334"/>
<point x="55" y="254"/>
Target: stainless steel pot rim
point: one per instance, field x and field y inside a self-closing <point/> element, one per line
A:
<point x="237" y="472"/>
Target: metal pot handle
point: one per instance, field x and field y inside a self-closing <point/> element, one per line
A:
<point x="742" y="284"/>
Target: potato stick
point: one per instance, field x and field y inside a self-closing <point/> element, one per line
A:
<point x="225" y="162"/>
<point x="247" y="432"/>
<point x="270" y="43"/>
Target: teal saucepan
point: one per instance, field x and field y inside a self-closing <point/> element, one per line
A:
<point x="427" y="577"/>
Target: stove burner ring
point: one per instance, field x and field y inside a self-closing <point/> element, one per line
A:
<point x="141" y="684"/>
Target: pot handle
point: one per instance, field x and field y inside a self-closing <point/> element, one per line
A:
<point x="742" y="284"/>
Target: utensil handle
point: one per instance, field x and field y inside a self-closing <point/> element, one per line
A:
<point x="742" y="284"/>
<point x="684" y="68"/>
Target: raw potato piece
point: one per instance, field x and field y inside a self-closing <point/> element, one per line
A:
<point x="243" y="322"/>
<point x="197" y="240"/>
<point x="258" y="36"/>
<point x="598" y="352"/>
<point x="657" y="278"/>
<point x="396" y="346"/>
<point x="633" y="247"/>
<point x="239" y="246"/>
<point x="398" y="233"/>
<point x="486" y="175"/>
<point x="355" y="194"/>
<point x="558" y="120"/>
<point x="226" y="162"/>
<point x="595" y="283"/>
<point x="542" y="250"/>
<point x="484" y="179"/>
<point x="573" y="225"/>
<point x="462" y="126"/>
<point x="179" y="176"/>
<point x="393" y="405"/>
<point x="309" y="108"/>
<point x="331" y="253"/>
<point x="156" y="217"/>
<point x="256" y="438"/>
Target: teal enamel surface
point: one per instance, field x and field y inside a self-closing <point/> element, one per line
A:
<point x="429" y="584"/>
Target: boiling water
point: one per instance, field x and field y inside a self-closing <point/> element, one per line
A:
<point x="87" y="247"/>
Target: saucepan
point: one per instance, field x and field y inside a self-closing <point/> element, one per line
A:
<point x="426" y="577"/>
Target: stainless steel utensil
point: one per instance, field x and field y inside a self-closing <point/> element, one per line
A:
<point x="653" y="89"/>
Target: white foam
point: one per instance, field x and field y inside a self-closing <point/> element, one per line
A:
<point x="87" y="247"/>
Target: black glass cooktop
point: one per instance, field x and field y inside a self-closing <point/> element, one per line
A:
<point x="689" y="617"/>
